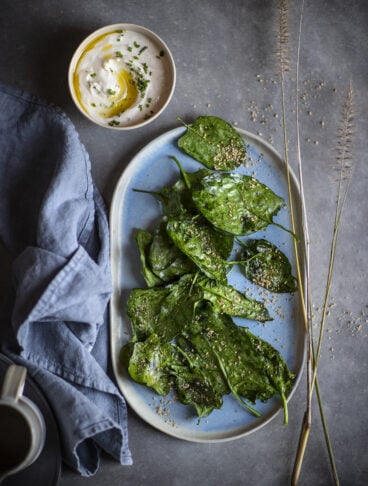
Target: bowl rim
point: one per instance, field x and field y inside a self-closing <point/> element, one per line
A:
<point x="130" y="27"/>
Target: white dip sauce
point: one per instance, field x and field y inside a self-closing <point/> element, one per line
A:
<point x="120" y="77"/>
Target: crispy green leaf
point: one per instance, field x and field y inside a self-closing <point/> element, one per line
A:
<point x="166" y="311"/>
<point x="242" y="367"/>
<point x="235" y="203"/>
<point x="212" y="357"/>
<point x="206" y="247"/>
<point x="143" y="308"/>
<point x="144" y="240"/>
<point x="274" y="365"/>
<point x="205" y="386"/>
<point x="267" y="266"/>
<point x="214" y="142"/>
<point x="178" y="308"/>
<point x="176" y="200"/>
<point x="193" y="388"/>
<point x="170" y="198"/>
<point x="148" y="363"/>
<point x="233" y="359"/>
<point x="254" y="369"/>
<point x="165" y="258"/>
<point x="196" y="354"/>
<point x="227" y="300"/>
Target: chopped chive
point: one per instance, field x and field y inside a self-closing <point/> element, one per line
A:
<point x="140" y="81"/>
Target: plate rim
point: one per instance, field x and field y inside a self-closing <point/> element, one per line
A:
<point x="115" y="296"/>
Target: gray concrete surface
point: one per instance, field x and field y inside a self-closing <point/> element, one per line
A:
<point x="226" y="66"/>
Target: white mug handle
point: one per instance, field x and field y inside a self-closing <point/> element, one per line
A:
<point x="13" y="383"/>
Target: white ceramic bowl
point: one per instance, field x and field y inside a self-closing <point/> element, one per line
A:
<point x="122" y="76"/>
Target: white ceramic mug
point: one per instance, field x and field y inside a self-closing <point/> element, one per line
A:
<point x="22" y="427"/>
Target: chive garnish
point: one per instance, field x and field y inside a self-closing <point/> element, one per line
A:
<point x="142" y="49"/>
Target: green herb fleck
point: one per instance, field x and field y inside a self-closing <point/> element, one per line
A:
<point x="114" y="123"/>
<point x="118" y="54"/>
<point x="140" y="80"/>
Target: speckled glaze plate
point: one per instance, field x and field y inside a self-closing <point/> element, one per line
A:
<point x="150" y="169"/>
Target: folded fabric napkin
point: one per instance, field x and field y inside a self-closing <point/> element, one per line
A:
<point x="54" y="304"/>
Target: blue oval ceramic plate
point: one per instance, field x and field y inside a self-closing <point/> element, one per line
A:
<point x="150" y="169"/>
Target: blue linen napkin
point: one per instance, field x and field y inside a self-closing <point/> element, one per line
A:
<point x="54" y="307"/>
